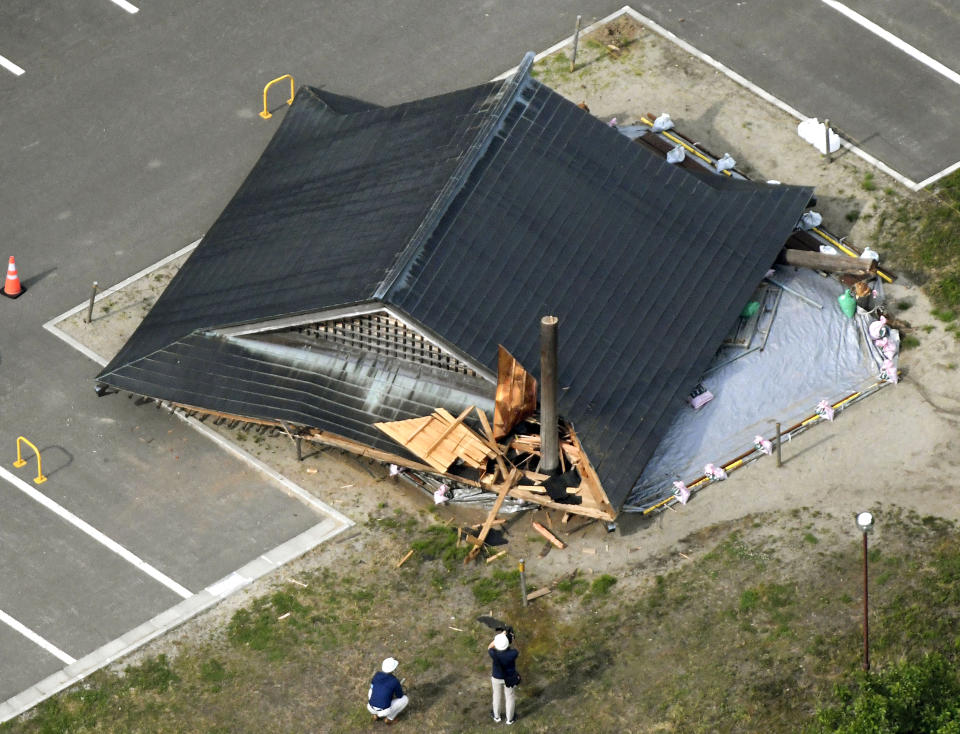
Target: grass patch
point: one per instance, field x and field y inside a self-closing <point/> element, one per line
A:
<point x="922" y="235"/>
<point x="909" y="341"/>
<point x="730" y="642"/>
<point x="602" y="584"/>
<point x="439" y="543"/>
<point x="489" y="589"/>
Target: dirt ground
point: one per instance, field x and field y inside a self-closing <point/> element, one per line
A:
<point x="894" y="448"/>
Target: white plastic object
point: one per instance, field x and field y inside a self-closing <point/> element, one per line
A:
<point x="725" y="163"/>
<point x="676" y="155"/>
<point x="662" y="123"/>
<point x="869" y="254"/>
<point x="809" y="220"/>
<point x="812" y="130"/>
<point x="828" y="250"/>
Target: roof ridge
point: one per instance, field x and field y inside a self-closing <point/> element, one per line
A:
<point x="459" y="176"/>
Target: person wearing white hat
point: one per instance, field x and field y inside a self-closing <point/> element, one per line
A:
<point x="386" y="698"/>
<point x="504" y="677"/>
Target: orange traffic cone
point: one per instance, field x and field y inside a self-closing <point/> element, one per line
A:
<point x="12" y="288"/>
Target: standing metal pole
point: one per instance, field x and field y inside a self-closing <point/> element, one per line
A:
<point x="549" y="439"/>
<point x="779" y="462"/>
<point x="93" y="294"/>
<point x="523" y="583"/>
<point x="866" y="629"/>
<point x="576" y="40"/>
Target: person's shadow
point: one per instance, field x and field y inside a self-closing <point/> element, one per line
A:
<point x="427" y="693"/>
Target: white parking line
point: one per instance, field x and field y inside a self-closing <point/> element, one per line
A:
<point x="10" y="66"/>
<point x="95" y="534"/>
<point x="126" y="6"/>
<point x="894" y="41"/>
<point x="35" y="638"/>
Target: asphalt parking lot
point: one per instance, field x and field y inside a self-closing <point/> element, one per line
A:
<point x="122" y="136"/>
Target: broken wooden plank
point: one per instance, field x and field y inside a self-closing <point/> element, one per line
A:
<point x="548" y="535"/>
<point x="494" y="557"/>
<point x="536" y="594"/>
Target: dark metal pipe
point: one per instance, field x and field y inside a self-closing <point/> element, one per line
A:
<point x="549" y="439"/>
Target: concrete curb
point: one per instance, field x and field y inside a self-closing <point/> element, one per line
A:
<point x="742" y="81"/>
<point x="171" y="618"/>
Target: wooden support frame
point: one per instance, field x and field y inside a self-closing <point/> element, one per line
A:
<point x="448" y="430"/>
<point x="498" y="503"/>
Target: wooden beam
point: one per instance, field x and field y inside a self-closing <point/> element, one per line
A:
<point x="355" y="447"/>
<point x="548" y="535"/>
<point x="448" y="430"/>
<point x="417" y="432"/>
<point x="492" y="443"/>
<point x="494" y="557"/>
<point x="589" y="478"/>
<point x="227" y="416"/>
<point x="544" y="500"/>
<point x="501" y="495"/>
<point x="828" y="263"/>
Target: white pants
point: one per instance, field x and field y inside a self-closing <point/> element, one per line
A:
<point x="398" y="705"/>
<point x="500" y="690"/>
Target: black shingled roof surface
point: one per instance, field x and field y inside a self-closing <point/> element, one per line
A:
<point x="475" y="213"/>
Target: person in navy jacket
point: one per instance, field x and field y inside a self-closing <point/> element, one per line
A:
<point x="386" y="699"/>
<point x="504" y="677"/>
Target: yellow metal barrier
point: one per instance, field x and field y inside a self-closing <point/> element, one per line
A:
<point x="266" y="114"/>
<point x="40" y="479"/>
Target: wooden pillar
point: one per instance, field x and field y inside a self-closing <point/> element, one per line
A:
<point x="549" y="439"/>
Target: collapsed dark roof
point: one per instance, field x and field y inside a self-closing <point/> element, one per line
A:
<point x="471" y="215"/>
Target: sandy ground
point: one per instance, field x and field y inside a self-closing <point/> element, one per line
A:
<point x="894" y="448"/>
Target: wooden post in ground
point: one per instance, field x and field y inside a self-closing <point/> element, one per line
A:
<point x="778" y="446"/>
<point x="523" y="583"/>
<point x="826" y="130"/>
<point x="93" y="296"/>
<point x="576" y="40"/>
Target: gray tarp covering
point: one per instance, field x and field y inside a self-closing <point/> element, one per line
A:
<point x="810" y="355"/>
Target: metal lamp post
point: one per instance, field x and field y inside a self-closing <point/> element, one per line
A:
<point x="865" y="523"/>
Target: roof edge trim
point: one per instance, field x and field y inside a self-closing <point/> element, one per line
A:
<point x="356" y="309"/>
<point x="456" y="181"/>
<point x="287" y="322"/>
